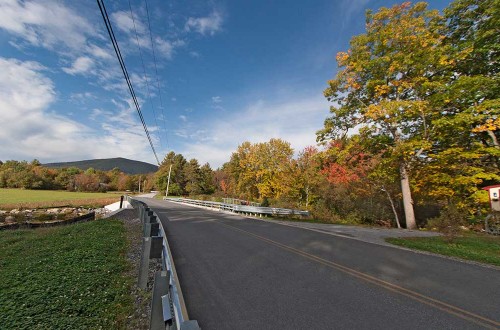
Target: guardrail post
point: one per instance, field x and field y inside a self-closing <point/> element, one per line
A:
<point x="151" y="218"/>
<point x="144" y="266"/>
<point x="151" y="229"/>
<point x="147" y="213"/>
<point x="156" y="247"/>
<point x="141" y="211"/>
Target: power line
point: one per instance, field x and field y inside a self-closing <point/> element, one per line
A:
<point x="107" y="22"/>
<point x="143" y="66"/>
<point x="156" y="70"/>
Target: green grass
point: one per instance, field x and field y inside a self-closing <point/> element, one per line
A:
<point x="65" y="277"/>
<point x="475" y="247"/>
<point x="15" y="198"/>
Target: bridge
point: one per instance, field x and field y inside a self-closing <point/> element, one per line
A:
<point x="242" y="273"/>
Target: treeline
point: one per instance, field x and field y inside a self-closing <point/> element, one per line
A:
<point x="21" y="174"/>
<point x="186" y="177"/>
<point x="335" y="182"/>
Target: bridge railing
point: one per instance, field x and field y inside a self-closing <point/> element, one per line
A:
<point x="246" y="209"/>
<point x="168" y="310"/>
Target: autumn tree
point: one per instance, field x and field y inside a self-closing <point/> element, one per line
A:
<point x="465" y="152"/>
<point x="386" y="77"/>
<point x="271" y="164"/>
<point x="308" y="177"/>
<point x="258" y="170"/>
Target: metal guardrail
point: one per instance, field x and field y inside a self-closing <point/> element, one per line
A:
<point x="246" y="209"/>
<point x="168" y="310"/>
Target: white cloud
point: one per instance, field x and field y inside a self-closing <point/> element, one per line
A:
<point x="295" y="121"/>
<point x="81" y="65"/>
<point x="205" y="25"/>
<point x="124" y="22"/>
<point x="47" y="24"/>
<point x="194" y="54"/>
<point x="31" y="130"/>
<point x="216" y="103"/>
<point x="81" y="97"/>
<point x="166" y="48"/>
<point x="183" y="118"/>
<point x="99" y="52"/>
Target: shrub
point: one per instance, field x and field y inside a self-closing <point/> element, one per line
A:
<point x="449" y="222"/>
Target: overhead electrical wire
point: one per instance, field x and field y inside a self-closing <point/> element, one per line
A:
<point x="143" y="66"/>
<point x="156" y="71"/>
<point x="107" y="22"/>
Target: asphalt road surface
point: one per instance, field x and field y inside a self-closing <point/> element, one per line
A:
<point x="239" y="273"/>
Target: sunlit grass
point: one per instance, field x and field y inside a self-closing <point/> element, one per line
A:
<point x="476" y="247"/>
<point x="20" y="198"/>
<point x="64" y="278"/>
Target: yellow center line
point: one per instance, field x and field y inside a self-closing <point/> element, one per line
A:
<point x="461" y="313"/>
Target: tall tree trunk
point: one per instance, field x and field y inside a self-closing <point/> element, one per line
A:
<point x="407" y="200"/>
<point x="393" y="207"/>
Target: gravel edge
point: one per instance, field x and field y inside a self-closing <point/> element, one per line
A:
<point x="139" y="319"/>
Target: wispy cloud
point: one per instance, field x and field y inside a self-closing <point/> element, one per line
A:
<point x="166" y="48"/>
<point x="48" y="24"/>
<point x="205" y="25"/>
<point x="294" y="120"/>
<point x="124" y="22"/>
<point x="350" y="8"/>
<point x="216" y="103"/>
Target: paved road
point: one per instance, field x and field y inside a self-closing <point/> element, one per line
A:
<point x="238" y="273"/>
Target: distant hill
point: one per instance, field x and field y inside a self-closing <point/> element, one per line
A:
<point x="125" y="165"/>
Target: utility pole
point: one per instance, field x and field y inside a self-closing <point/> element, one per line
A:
<point x="168" y="181"/>
<point x="139" y="185"/>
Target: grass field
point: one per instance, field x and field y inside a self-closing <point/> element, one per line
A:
<point x="476" y="247"/>
<point x="69" y="277"/>
<point x="19" y="198"/>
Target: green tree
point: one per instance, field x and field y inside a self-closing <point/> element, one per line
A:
<point x="177" y="179"/>
<point x="207" y="179"/>
<point x="192" y="175"/>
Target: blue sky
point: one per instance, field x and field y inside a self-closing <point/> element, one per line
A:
<point x="228" y="72"/>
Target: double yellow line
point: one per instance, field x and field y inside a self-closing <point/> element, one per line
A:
<point x="461" y="313"/>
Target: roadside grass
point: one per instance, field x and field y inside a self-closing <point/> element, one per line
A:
<point x="20" y="198"/>
<point x="69" y="277"/>
<point x="471" y="246"/>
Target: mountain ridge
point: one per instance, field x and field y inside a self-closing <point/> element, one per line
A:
<point x="128" y="166"/>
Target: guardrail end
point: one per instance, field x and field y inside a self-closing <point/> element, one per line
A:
<point x="160" y="289"/>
